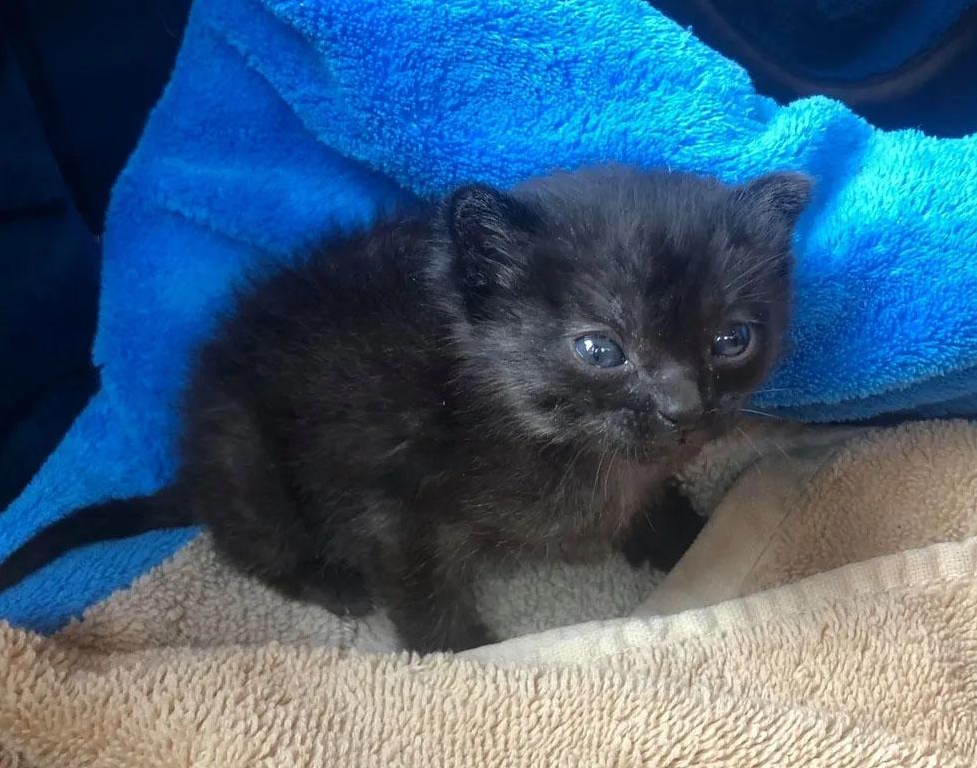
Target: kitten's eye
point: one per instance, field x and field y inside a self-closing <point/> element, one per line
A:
<point x="733" y="341"/>
<point x="599" y="351"/>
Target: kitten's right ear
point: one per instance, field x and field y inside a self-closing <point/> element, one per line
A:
<point x="487" y="228"/>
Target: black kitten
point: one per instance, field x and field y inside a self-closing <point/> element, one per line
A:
<point x="505" y="373"/>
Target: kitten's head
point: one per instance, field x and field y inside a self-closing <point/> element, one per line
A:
<point x="622" y="310"/>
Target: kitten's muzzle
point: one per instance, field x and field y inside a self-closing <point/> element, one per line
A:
<point x="678" y="403"/>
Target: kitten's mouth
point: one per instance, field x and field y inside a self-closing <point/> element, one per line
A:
<point x="686" y="447"/>
<point x="648" y="440"/>
<point x="674" y="450"/>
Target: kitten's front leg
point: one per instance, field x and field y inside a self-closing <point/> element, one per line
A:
<point x="427" y="589"/>
<point x="663" y="530"/>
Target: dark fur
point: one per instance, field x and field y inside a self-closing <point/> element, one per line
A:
<point x="366" y="423"/>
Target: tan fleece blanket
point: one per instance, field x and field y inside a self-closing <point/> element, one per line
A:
<point x="826" y="617"/>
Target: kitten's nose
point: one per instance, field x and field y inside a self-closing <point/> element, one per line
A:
<point x="679" y="403"/>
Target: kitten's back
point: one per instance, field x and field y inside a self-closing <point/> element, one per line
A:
<point x="350" y="338"/>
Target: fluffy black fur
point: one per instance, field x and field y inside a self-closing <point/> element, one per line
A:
<point x="366" y="423"/>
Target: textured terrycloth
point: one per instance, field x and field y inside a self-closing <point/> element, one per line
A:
<point x="868" y="665"/>
<point x="286" y="117"/>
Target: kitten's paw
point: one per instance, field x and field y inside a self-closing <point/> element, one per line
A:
<point x="335" y="598"/>
<point x="475" y="636"/>
<point x="452" y="638"/>
<point x="339" y="589"/>
<point x="661" y="535"/>
<point x="343" y="591"/>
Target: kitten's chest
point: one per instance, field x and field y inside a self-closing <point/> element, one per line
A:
<point x="575" y="508"/>
<point x="605" y="505"/>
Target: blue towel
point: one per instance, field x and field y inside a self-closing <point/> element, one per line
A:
<point x="286" y="117"/>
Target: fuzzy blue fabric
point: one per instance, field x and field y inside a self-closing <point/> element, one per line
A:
<point x="284" y="118"/>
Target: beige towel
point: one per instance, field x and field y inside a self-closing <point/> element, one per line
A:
<point x="842" y="631"/>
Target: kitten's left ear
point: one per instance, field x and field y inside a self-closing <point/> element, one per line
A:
<point x="775" y="201"/>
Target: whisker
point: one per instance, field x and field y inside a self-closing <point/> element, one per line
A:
<point x="743" y="280"/>
<point x="566" y="475"/>
<point x="780" y="448"/>
<point x="756" y="412"/>
<point x="603" y="456"/>
<point x="747" y="279"/>
<point x="756" y="449"/>
<point x="610" y="468"/>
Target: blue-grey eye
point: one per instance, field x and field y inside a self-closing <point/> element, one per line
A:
<point x="732" y="341"/>
<point x="599" y="351"/>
